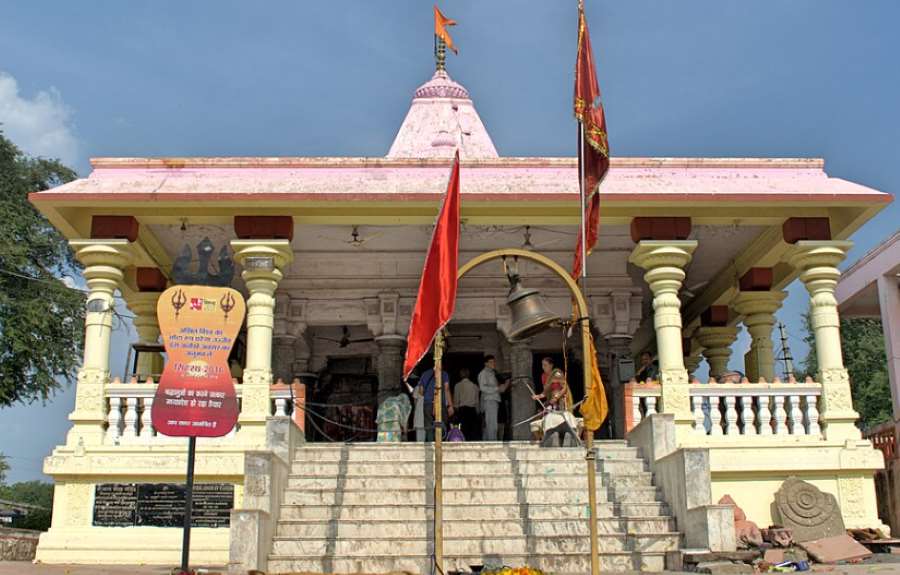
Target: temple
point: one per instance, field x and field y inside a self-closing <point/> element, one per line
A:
<point x="328" y="252"/>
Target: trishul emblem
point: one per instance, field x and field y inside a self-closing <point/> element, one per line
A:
<point x="227" y="304"/>
<point x="178" y="301"/>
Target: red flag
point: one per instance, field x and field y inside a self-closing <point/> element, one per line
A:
<point x="595" y="159"/>
<point x="437" y="288"/>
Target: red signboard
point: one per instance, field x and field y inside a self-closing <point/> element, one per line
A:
<point x="196" y="397"/>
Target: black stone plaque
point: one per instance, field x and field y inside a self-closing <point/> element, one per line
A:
<point x="161" y="505"/>
<point x="115" y="504"/>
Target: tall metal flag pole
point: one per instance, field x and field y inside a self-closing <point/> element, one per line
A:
<point x="438" y="453"/>
<point x="590" y="456"/>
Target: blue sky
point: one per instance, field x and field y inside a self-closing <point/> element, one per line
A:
<point x="799" y="78"/>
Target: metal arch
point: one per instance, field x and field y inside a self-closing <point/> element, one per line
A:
<point x="582" y="308"/>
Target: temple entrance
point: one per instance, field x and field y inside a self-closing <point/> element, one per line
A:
<point x="344" y="403"/>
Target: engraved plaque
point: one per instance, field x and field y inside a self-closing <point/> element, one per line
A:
<point x="161" y="505"/>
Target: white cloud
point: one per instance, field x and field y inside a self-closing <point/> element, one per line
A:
<point x="40" y="126"/>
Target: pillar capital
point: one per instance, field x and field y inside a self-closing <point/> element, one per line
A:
<point x="663" y="260"/>
<point x="716" y="342"/>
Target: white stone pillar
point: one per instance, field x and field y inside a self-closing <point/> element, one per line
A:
<point x="146" y="323"/>
<point x="758" y="309"/>
<point x="104" y="270"/>
<point x="664" y="262"/>
<point x="716" y="342"/>
<point x="817" y="262"/>
<point x="263" y="262"/>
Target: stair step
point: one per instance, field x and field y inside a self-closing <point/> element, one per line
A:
<point x="370" y="454"/>
<point x="559" y="564"/>
<point x="344" y="546"/>
<point x="311" y="529"/>
<point x="423" y="496"/>
<point x="384" y="482"/>
<point x="461" y="468"/>
<point x="511" y="512"/>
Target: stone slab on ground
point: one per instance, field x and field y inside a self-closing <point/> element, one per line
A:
<point x="834" y="549"/>
<point x="724" y="568"/>
<point x="18" y="544"/>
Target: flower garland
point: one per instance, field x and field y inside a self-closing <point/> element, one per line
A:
<point x="514" y="571"/>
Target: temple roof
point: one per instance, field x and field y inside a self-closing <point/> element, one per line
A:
<point x="440" y="118"/>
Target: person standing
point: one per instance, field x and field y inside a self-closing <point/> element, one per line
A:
<point x="426" y="383"/>
<point x="466" y="402"/>
<point x="490" y="396"/>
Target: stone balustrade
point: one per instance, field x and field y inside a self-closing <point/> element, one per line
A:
<point x="128" y="408"/>
<point x="737" y="409"/>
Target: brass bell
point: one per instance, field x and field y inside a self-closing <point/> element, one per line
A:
<point x="528" y="310"/>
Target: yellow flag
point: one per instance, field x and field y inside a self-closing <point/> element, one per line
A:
<point x="594" y="409"/>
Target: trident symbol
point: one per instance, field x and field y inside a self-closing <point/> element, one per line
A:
<point x="227" y="303"/>
<point x="178" y="301"/>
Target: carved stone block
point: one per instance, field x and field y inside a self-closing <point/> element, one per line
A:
<point x="807" y="511"/>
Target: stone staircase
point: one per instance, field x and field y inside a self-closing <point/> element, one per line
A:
<point x="369" y="507"/>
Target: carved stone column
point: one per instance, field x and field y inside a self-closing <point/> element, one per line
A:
<point x="817" y="262"/>
<point x="758" y="309"/>
<point x="521" y="404"/>
<point x="283" y="342"/>
<point x="143" y="305"/>
<point x="664" y="262"/>
<point x="390" y="365"/>
<point x="104" y="271"/>
<point x="618" y="346"/>
<point x="717" y="342"/>
<point x="262" y="261"/>
<point x="692" y="355"/>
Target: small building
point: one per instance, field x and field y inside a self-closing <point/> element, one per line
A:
<point x="871" y="288"/>
<point x="691" y="251"/>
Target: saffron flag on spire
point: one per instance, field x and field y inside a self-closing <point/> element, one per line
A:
<point x="593" y="147"/>
<point x="437" y="288"/>
<point x="441" y="23"/>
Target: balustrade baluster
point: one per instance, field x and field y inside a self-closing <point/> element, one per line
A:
<point x="114" y="420"/>
<point x="796" y="415"/>
<point x="765" y="415"/>
<point x="748" y="417"/>
<point x="731" y="416"/>
<point x="812" y="415"/>
<point x="636" y="409"/>
<point x="699" y="417"/>
<point x="146" y="419"/>
<point x="715" y="416"/>
<point x="131" y="417"/>
<point x="780" y="416"/>
<point x="280" y="404"/>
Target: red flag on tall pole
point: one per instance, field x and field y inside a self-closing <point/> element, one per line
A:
<point x="593" y="147"/>
<point x="437" y="288"/>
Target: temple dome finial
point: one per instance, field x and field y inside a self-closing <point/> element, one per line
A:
<point x="440" y="118"/>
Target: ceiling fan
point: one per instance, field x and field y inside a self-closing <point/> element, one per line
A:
<point x="345" y="338"/>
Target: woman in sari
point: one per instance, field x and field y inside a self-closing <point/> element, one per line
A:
<point x="559" y="424"/>
<point x="393" y="416"/>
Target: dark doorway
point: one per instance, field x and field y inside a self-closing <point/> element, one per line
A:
<point x="344" y="402"/>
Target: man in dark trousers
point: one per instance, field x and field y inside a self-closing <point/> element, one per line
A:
<point x="426" y="382"/>
<point x="466" y="397"/>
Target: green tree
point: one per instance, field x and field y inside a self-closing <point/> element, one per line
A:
<point x="33" y="493"/>
<point x="862" y="344"/>
<point x="41" y="318"/>
<point x="4" y="467"/>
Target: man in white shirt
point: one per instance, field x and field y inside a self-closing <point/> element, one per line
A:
<point x="466" y="395"/>
<point x="490" y="396"/>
